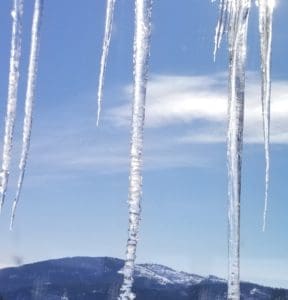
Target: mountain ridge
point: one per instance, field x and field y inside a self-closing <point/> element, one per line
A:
<point x="88" y="278"/>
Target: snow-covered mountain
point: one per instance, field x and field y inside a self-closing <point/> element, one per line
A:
<point x="86" y="278"/>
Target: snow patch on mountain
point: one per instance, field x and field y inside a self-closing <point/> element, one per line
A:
<point x="164" y="275"/>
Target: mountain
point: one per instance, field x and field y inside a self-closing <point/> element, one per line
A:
<point x="87" y="278"/>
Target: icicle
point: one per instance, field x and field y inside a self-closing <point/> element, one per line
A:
<point x="15" y="54"/>
<point x="237" y="39"/>
<point x="265" y="29"/>
<point x="106" y="43"/>
<point x="141" y="55"/>
<point x="29" y="100"/>
<point x="221" y="25"/>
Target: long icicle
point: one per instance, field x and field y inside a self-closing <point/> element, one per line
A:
<point x="29" y="100"/>
<point x="15" y="54"/>
<point x="143" y="9"/>
<point x="266" y="8"/>
<point x="237" y="39"/>
<point x="105" y="50"/>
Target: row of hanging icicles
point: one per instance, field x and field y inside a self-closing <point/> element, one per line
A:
<point x="233" y="20"/>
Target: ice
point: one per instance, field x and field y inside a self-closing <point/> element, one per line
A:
<point x="266" y="8"/>
<point x="105" y="50"/>
<point x="143" y="10"/>
<point x="234" y="17"/>
<point x="15" y="54"/>
<point x="29" y="100"/>
<point x="237" y="39"/>
<point x="221" y="25"/>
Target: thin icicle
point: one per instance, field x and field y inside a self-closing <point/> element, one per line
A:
<point x="15" y="54"/>
<point x="225" y="12"/>
<point x="29" y="100"/>
<point x="105" y="50"/>
<point x="143" y="10"/>
<point x="237" y="39"/>
<point x="265" y="29"/>
<point x="221" y="25"/>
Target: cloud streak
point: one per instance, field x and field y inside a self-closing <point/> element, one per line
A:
<point x="184" y="115"/>
<point x="200" y="103"/>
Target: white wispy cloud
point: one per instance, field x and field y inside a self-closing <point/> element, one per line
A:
<point x="184" y="114"/>
<point x="200" y="103"/>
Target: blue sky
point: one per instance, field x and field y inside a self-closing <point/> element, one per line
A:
<point x="76" y="186"/>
